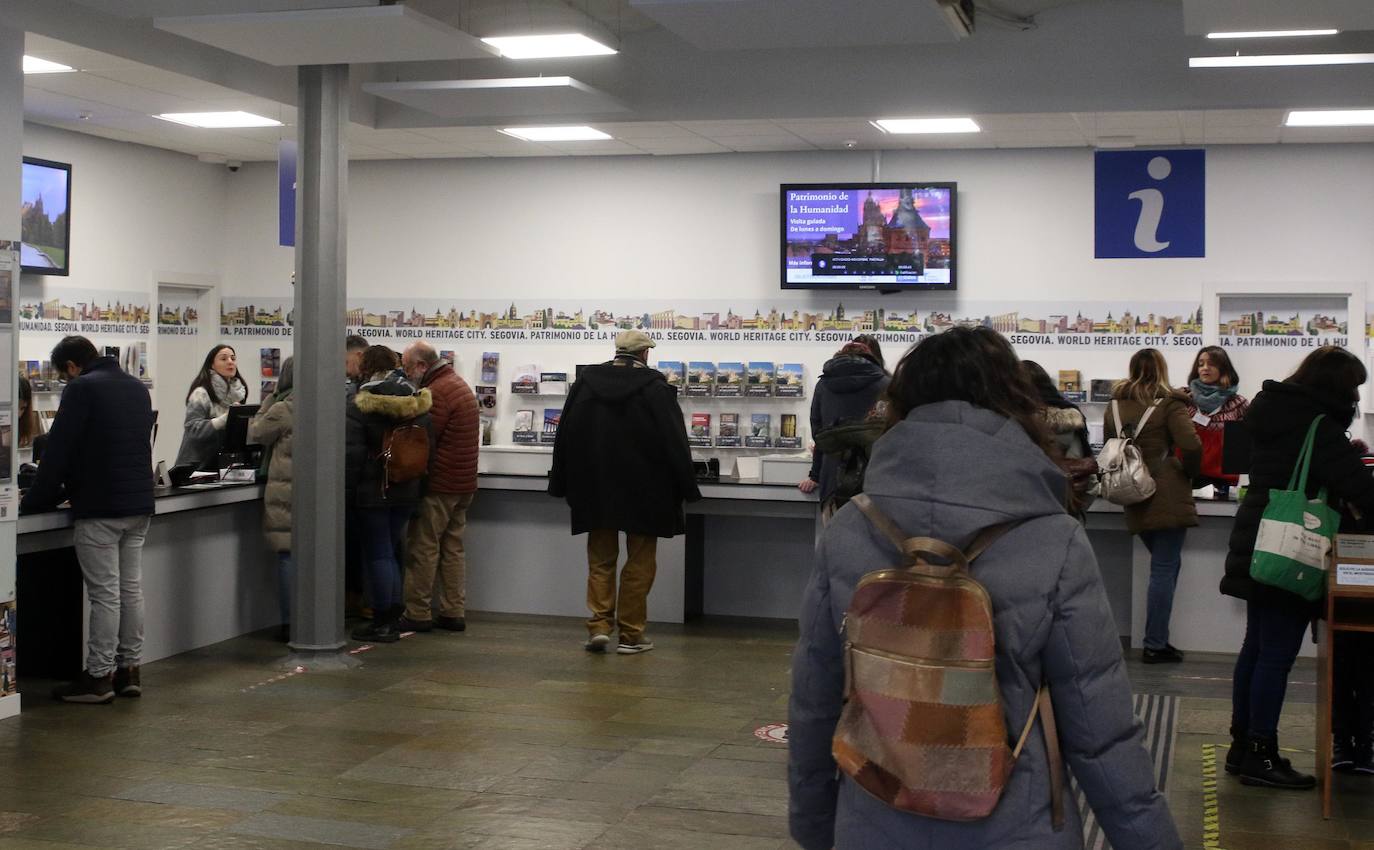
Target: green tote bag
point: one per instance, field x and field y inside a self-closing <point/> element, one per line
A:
<point x="1296" y="533"/>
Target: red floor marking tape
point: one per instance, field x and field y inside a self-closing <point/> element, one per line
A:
<point x="283" y="677"/>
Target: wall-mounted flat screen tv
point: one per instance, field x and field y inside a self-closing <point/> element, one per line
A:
<point x="45" y="217"/>
<point x="886" y="236"/>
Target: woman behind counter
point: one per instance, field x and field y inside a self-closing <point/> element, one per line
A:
<point x="217" y="387"/>
<point x="1212" y="402"/>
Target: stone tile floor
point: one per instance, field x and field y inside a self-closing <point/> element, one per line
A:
<point x="509" y="736"/>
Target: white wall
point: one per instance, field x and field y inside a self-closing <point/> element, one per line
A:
<point x="706" y="228"/>
<point x="140" y="215"/>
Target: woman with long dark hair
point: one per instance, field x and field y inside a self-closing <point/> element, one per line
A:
<point x="850" y="385"/>
<point x="966" y="450"/>
<point x="1156" y="416"/>
<point x="1326" y="384"/>
<point x="1213" y="400"/>
<point x="218" y="386"/>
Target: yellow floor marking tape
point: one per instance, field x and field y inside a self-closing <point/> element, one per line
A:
<point x="1211" y="819"/>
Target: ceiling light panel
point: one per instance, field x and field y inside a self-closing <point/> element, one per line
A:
<point x="1330" y="118"/>
<point x="34" y="65"/>
<point x="1281" y="60"/>
<point x="556" y="134"/>
<point x="219" y="120"/>
<point x="548" y="46"/>
<point x="1272" y="34"/>
<point x="927" y="125"/>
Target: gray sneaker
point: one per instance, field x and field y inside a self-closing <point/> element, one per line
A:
<point x="634" y="648"/>
<point x="598" y="643"/>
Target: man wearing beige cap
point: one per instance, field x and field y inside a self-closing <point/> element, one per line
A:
<point x="622" y="462"/>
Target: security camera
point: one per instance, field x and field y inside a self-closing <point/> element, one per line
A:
<point x="850" y="144"/>
<point x="233" y="165"/>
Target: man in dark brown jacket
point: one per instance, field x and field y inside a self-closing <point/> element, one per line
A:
<point x="436" y="534"/>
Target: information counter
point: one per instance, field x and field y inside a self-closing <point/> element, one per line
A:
<point x="207" y="576"/>
<point x="749" y="552"/>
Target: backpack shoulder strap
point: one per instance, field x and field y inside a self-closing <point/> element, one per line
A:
<point x="987" y="537"/>
<point x="1044" y="709"/>
<point x="911" y="547"/>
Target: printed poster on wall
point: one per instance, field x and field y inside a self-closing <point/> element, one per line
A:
<point x="59" y="309"/>
<point x="1028" y="323"/>
<point x="178" y="315"/>
<point x="257" y="316"/>
<point x="1283" y="321"/>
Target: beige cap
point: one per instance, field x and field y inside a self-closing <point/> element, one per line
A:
<point x="633" y="342"/>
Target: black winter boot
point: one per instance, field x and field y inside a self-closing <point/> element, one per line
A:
<point x="1236" y="754"/>
<point x="1263" y="766"/>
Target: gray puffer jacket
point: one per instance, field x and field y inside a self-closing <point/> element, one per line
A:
<point x="948" y="471"/>
<point x="273" y="428"/>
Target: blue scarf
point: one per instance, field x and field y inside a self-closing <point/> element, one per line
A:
<point x="1210" y="398"/>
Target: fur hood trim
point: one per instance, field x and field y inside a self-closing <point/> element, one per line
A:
<point x="399" y="407"/>
<point x="1064" y="420"/>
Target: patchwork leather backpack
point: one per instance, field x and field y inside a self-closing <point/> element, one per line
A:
<point x="922" y="727"/>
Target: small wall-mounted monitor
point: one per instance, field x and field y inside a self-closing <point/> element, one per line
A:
<point x="886" y="236"/>
<point x="45" y="217"/>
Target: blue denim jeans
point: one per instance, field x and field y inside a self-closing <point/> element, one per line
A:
<point x="383" y="534"/>
<point x="1166" y="557"/>
<point x="1273" y="636"/>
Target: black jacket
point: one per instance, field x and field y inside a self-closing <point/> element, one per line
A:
<point x="378" y="407"/>
<point x="99" y="448"/>
<point x="848" y="388"/>
<point x="621" y="457"/>
<point x="1278" y="420"/>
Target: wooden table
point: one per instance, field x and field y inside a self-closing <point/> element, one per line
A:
<point x="1349" y="608"/>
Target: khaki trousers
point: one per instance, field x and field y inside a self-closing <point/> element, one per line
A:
<point x="435" y="546"/>
<point x="630" y="608"/>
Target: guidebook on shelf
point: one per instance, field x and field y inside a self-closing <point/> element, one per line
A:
<point x="701" y="378"/>
<point x="699" y="435"/>
<point x="491" y="361"/>
<point x="551" y="417"/>
<point x="790" y="381"/>
<point x="524" y="427"/>
<point x="672" y="370"/>
<point x="760" y="431"/>
<point x="553" y="383"/>
<point x="787" y="433"/>
<point x="1101" y="389"/>
<point x="728" y="435"/>
<point x="760" y="381"/>
<point x="730" y="379"/>
<point x="526" y="380"/>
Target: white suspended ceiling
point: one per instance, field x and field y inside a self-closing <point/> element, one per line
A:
<point x="769" y="24"/>
<point x="340" y="36"/>
<point x="509" y="97"/>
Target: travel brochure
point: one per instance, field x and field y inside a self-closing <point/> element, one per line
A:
<point x="759" y="380"/>
<point x="486" y="397"/>
<point x="760" y="431"/>
<point x="730" y="379"/>
<point x="491" y="361"/>
<point x="672" y="370"/>
<point x="699" y="435"/>
<point x="553" y="383"/>
<point x="701" y="378"/>
<point x="728" y="436"/>
<point x="787" y="433"/>
<point x="551" y="417"/>
<point x="526" y="380"/>
<point x="524" y="427"/>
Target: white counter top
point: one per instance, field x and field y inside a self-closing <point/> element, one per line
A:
<point x="747" y="491"/>
<point x="169" y="501"/>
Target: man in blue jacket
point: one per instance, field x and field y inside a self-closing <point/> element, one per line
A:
<point x="100" y="451"/>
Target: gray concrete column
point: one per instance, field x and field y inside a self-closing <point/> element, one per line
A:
<point x="318" y="457"/>
<point x="11" y="153"/>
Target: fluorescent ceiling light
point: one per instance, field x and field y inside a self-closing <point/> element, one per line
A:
<point x="218" y="120"/>
<point x="1272" y="34"/>
<point x="1330" y="118"/>
<point x="927" y="125"/>
<point x="34" y="65"/>
<point x="556" y="134"/>
<point x="1280" y="59"/>
<point x="548" y="46"/>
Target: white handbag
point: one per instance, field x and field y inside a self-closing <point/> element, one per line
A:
<point x="1124" y="477"/>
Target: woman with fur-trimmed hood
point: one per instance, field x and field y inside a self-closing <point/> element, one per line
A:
<point x="385" y="400"/>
